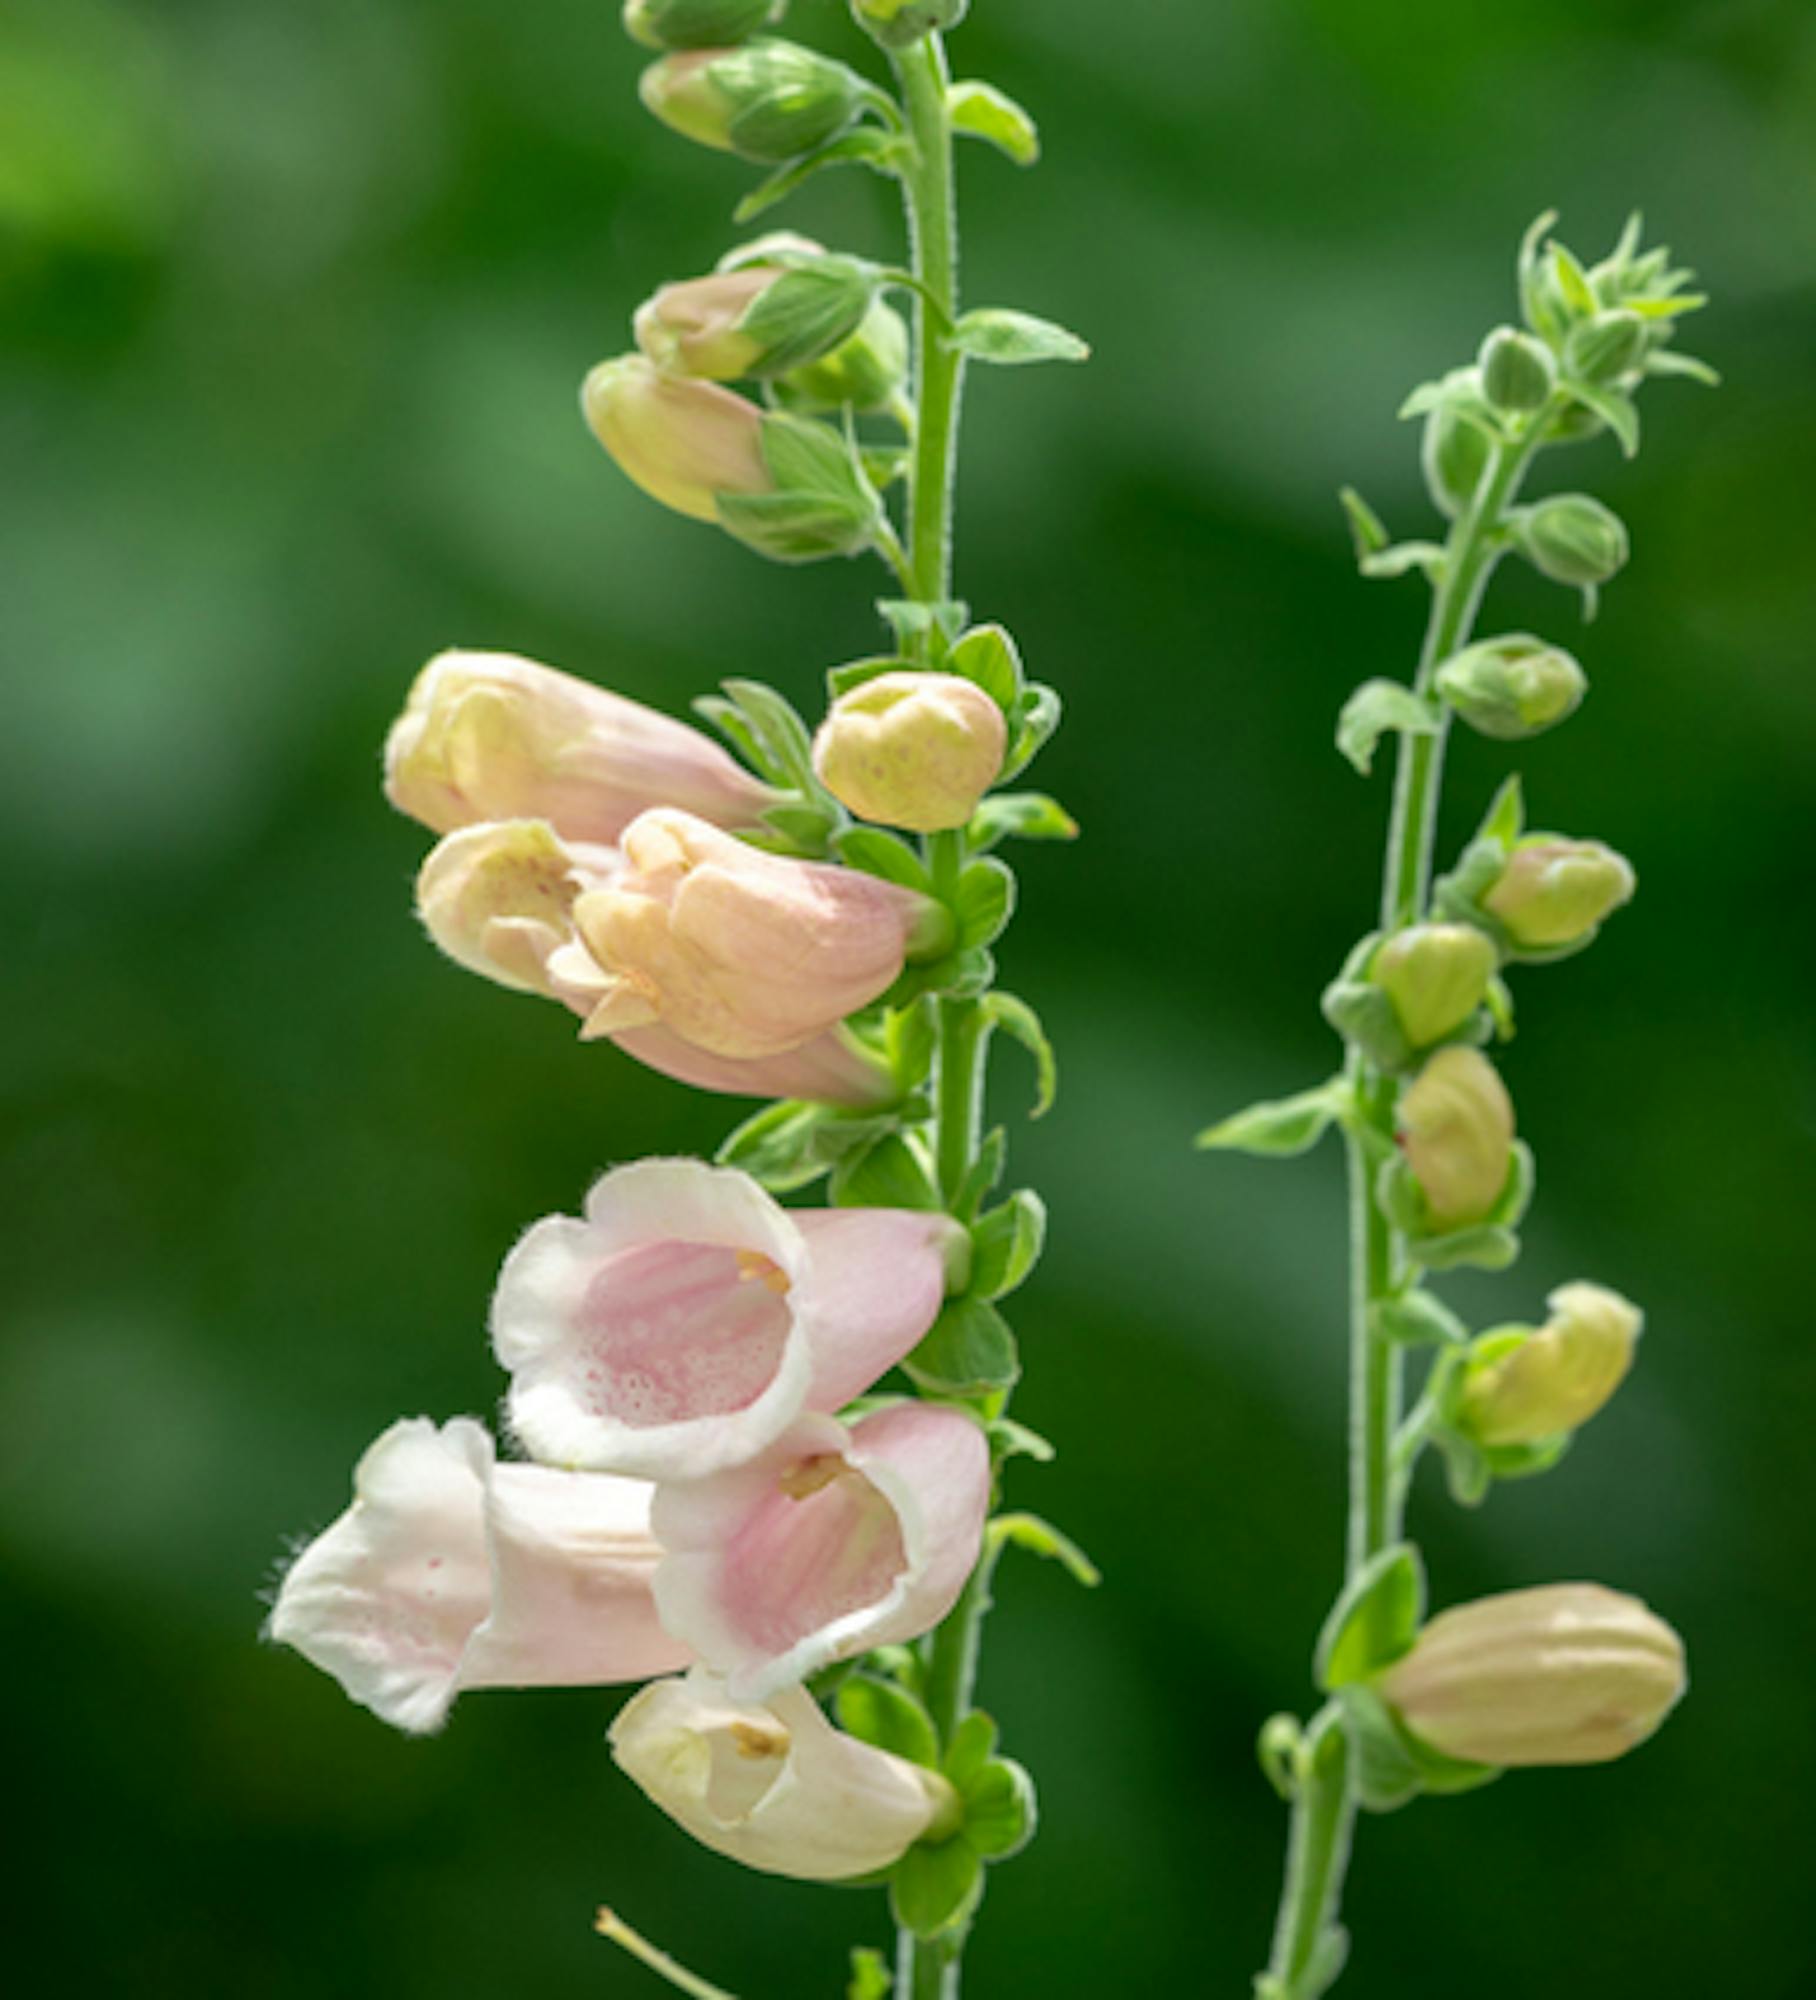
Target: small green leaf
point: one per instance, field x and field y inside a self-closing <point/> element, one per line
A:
<point x="1667" y="361"/>
<point x="1420" y="1319"/>
<point x="776" y="1146"/>
<point x="778" y="729"/>
<point x="880" y="853"/>
<point x="988" y="655"/>
<point x="983" y="903"/>
<point x="909" y="618"/>
<point x="880" y="1712"/>
<point x="1572" y="281"/>
<point x="1374" y="1621"/>
<point x="1015" y="1017"/>
<point x="1365" y="525"/>
<point x="935" y="1889"/>
<point x="1392" y="1765"/>
<point x="890" y="1174"/>
<point x="802" y="827"/>
<point x="1041" y="1538"/>
<point x="1013" y="339"/>
<point x="1013" y="1440"/>
<point x="864" y="147"/>
<point x="1505" y="818"/>
<point x="1006" y="1244"/>
<point x="969" y="1351"/>
<point x="1019" y="816"/>
<point x="1617" y="411"/>
<point x="1401" y="557"/>
<point x="1000" y="1809"/>
<point x="841" y="680"/>
<point x="1376" y="707"/>
<point x="870" y="1976"/>
<point x="1278" y="1128"/>
<point x="909" y="1037"/>
<point x="986" y="1170"/>
<point x="981" y="111"/>
<point x="1035" y="716"/>
<point x="971" y="1748"/>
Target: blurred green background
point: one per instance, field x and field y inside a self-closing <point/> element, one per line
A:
<point x="294" y="299"/>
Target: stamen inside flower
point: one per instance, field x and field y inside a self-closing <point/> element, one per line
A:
<point x="747" y="1759"/>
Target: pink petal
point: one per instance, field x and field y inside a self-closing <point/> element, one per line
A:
<point x="876" y="1279"/>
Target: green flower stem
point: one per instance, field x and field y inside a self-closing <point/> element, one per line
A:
<point x="1323" y="1824"/>
<point x="1317" y="1852"/>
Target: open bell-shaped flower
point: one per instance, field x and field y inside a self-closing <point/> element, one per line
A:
<point x="452" y="1571"/>
<point x="739" y="952"/>
<point x="688" y="1319"/>
<point x="491" y="736"/>
<point x="773" y="1784"/>
<point x="834" y="1541"/>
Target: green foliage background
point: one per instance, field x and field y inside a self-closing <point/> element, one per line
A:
<point x="294" y="298"/>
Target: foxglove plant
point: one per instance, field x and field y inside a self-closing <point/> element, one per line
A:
<point x="717" y="1497"/>
<point x="1569" y="1673"/>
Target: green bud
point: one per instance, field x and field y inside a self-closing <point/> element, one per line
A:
<point x="1554" y="892"/>
<point x="1436" y="976"/>
<point x="696" y="24"/>
<point x="769" y="100"/>
<point x="1517" y="371"/>
<point x="896" y="23"/>
<point x="1456" y="1133"/>
<point x="865" y="371"/>
<point x="1513" y="686"/>
<point x="822" y="504"/>
<point x="1605" y="348"/>
<point x="1521" y="1386"/>
<point x="757" y="319"/>
<point x="1453" y="453"/>
<point x="1572" y="538"/>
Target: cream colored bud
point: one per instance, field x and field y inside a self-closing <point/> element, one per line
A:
<point x="1521" y="1386"/>
<point x="758" y="318"/>
<point x="1435" y="975"/>
<point x="685" y="443"/>
<point x="768" y="100"/>
<point x="914" y="750"/>
<point x="1566" y="1674"/>
<point x="1456" y="1131"/>
<point x="691" y="328"/>
<point x="1554" y="892"/>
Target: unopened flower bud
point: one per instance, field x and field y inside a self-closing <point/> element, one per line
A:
<point x="1572" y="538"/>
<point x="1454" y="451"/>
<point x="864" y="371"/>
<point x="768" y="100"/>
<point x="1521" y="1386"/>
<point x="773" y="1784"/>
<point x="1456" y="1133"/>
<point x="1605" y="348"/>
<point x="1435" y="975"/>
<point x="1513" y="686"/>
<point x="1554" y="892"/>
<point x="696" y="24"/>
<point x="685" y="443"/>
<point x="756" y="319"/>
<point x="1517" y="370"/>
<point x="896" y="23"/>
<point x="1566" y="1674"/>
<point x="914" y="750"/>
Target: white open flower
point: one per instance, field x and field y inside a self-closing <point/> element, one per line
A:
<point x="773" y="1785"/>
<point x="451" y="1571"/>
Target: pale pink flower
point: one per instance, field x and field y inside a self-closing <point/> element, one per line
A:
<point x="834" y="1541"/>
<point x="492" y="736"/>
<point x="833" y="1068"/>
<point x="739" y="952"/>
<point x="689" y="1318"/>
<point x="451" y="1571"/>
<point x="774" y="1785"/>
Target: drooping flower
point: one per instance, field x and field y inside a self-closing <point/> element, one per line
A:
<point x="774" y="1785"/>
<point x="452" y="1571"/>
<point x="834" y="1541"/>
<point x="739" y="952"/>
<point x="1523" y="1385"/>
<point x="685" y="1323"/>
<point x="492" y="736"/>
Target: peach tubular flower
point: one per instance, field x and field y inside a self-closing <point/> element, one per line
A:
<point x="833" y="1068"/>
<point x="739" y="952"/>
<point x="774" y="1785"/>
<point x="684" y="1324"/>
<point x="493" y="736"/>
<point x="451" y="1571"/>
<point x="832" y="1542"/>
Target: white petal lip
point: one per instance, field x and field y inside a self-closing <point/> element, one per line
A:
<point x="931" y="1465"/>
<point x="450" y="1571"/>
<point x="863" y="1286"/>
<point x="827" y="1807"/>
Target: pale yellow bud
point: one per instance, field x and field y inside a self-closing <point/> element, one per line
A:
<point x="1555" y="891"/>
<point x="914" y="750"/>
<point x="1435" y="975"/>
<point x="684" y="442"/>
<point x="1522" y="1386"/>
<point x="692" y="328"/>
<point x="1567" y="1674"/>
<point x="1456" y="1131"/>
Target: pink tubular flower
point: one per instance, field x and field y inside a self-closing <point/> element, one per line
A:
<point x="774" y="1785"/>
<point x="833" y="1068"/>
<point x="491" y="736"/>
<point x="451" y="1571"/>
<point x="832" y="1542"/>
<point x="687" y="1321"/>
<point x="739" y="952"/>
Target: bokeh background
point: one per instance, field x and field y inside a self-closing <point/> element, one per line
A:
<point x="294" y="298"/>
